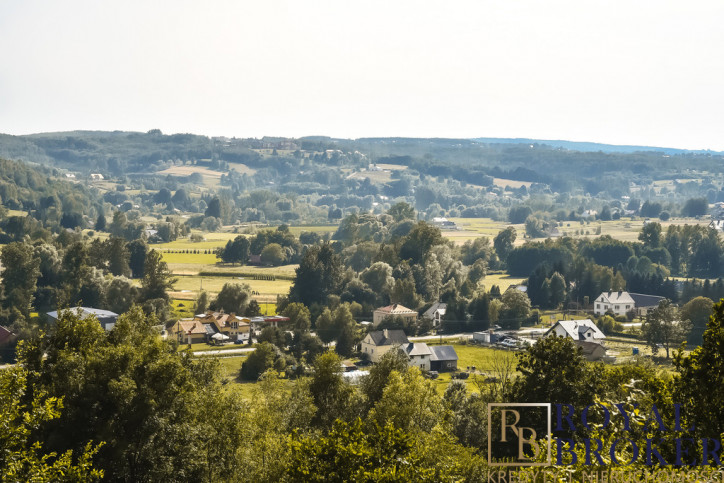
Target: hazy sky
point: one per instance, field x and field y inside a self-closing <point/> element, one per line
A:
<point x="621" y="72"/>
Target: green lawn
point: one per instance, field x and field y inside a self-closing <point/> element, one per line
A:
<point x="187" y="288"/>
<point x="502" y="280"/>
<point x="469" y="355"/>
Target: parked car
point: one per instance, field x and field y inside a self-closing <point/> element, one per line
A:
<point x="432" y="374"/>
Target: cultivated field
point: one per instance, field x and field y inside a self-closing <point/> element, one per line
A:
<point x="211" y="177"/>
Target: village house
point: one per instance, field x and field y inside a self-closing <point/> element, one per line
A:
<point x="106" y="318"/>
<point x="584" y="330"/>
<point x="379" y="342"/>
<point x="617" y="302"/>
<point x="584" y="333"/>
<point x="643" y="303"/>
<point x="620" y="303"/>
<point x="419" y="354"/>
<point x="427" y="358"/>
<point x="444" y="223"/>
<point x="189" y="331"/>
<point x="394" y="310"/>
<point x="443" y="358"/>
<point x="228" y="324"/>
<point x="435" y="313"/>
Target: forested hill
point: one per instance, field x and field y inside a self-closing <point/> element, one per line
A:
<point x="595" y="147"/>
<point x="25" y="187"/>
<point x="316" y="179"/>
<point x="120" y="152"/>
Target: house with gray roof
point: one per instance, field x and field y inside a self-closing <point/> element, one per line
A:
<point x="643" y="303"/>
<point x="616" y="302"/>
<point x="419" y="354"/>
<point x="379" y="342"/>
<point x="443" y="358"/>
<point x="584" y="333"/>
<point x="106" y="318"/>
<point x="584" y="330"/>
<point x="435" y="313"/>
<point x="621" y="302"/>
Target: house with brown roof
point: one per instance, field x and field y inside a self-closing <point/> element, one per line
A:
<point x="227" y="324"/>
<point x="394" y="310"/>
<point x="189" y="331"/>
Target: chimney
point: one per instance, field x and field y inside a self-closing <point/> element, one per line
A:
<point x="385" y="333"/>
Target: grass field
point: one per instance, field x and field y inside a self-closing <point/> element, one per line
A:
<point x="210" y="177"/>
<point x="187" y="288"/>
<point x="502" y="280"/>
<point x="241" y="168"/>
<point x="211" y="240"/>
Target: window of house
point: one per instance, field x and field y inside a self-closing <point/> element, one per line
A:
<point x="598" y="306"/>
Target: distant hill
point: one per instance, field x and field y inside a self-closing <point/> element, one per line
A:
<point x="594" y="147"/>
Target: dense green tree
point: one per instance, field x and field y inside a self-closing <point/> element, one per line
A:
<point x="259" y="361"/>
<point x="273" y="335"/>
<point x="409" y="401"/>
<point x="347" y="338"/>
<point x="119" y="224"/>
<point x="213" y="208"/>
<point x="19" y="276"/>
<point x="662" y="327"/>
<point x="331" y="393"/>
<point x="698" y="387"/>
<point x="236" y="251"/>
<point x="401" y="211"/>
<point x="516" y="308"/>
<point x="695" y="207"/>
<point x="24" y="408"/>
<point x="479" y="310"/>
<point x="100" y="222"/>
<point x="418" y="243"/>
<point x="137" y="251"/>
<point x="373" y="385"/>
<point x="697" y="311"/>
<point x="157" y="278"/>
<point x="202" y="302"/>
<point x="650" y="234"/>
<point x="557" y="290"/>
<point x="121" y="294"/>
<point x="232" y="298"/>
<point x="351" y="452"/>
<point x="404" y="293"/>
<point x="553" y="370"/>
<point x="318" y="275"/>
<point x="503" y="243"/>
<point x="518" y="214"/>
<point x="273" y="254"/>
<point x="127" y="389"/>
<point x="299" y="317"/>
<point x="118" y="257"/>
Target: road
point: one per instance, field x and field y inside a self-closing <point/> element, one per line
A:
<point x="224" y="352"/>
